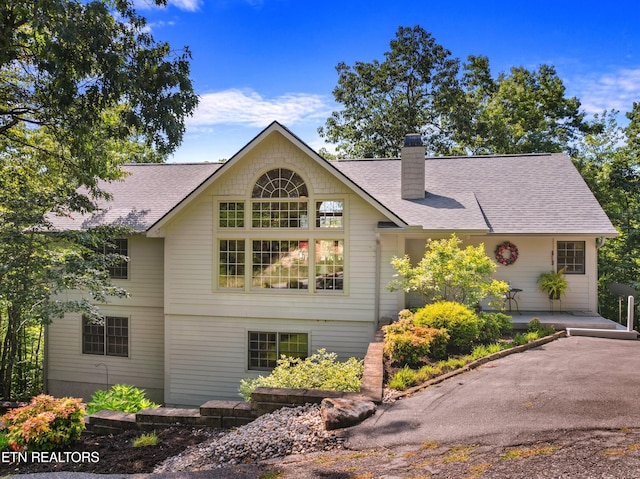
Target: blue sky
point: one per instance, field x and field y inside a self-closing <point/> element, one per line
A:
<point x="255" y="61"/>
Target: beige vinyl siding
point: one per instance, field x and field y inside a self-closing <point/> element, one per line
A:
<point x="191" y="243"/>
<point x="70" y="372"/>
<point x="535" y="257"/>
<point x="207" y="356"/>
<point x="206" y="326"/>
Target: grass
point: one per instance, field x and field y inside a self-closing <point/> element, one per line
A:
<point x="272" y="475"/>
<point x="521" y="453"/>
<point x="458" y="454"/>
<point x="150" y="439"/>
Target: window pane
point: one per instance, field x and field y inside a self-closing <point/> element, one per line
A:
<point x="329" y="214"/>
<point x="279" y="183"/>
<point x="330" y="264"/>
<point x="571" y="256"/>
<point x="279" y="214"/>
<point x="117" y="336"/>
<point x="231" y="214"/>
<point x="280" y="264"/>
<point x="120" y="270"/>
<point x="92" y="336"/>
<point x="294" y="345"/>
<point x="263" y="350"/>
<point x="232" y="261"/>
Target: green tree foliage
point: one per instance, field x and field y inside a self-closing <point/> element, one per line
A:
<point x="448" y="273"/>
<point x="609" y="161"/>
<point x="408" y="92"/>
<point x="84" y="88"/>
<point x="419" y="88"/>
<point x="525" y="111"/>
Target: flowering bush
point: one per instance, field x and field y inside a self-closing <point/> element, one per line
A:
<point x="406" y="343"/>
<point x="45" y="424"/>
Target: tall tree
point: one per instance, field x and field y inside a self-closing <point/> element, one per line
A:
<point x="419" y="88"/>
<point x="83" y="88"/>
<point x="609" y="161"/>
<point x="524" y="111"/>
<point x="408" y="92"/>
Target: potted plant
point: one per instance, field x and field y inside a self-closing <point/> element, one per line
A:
<point x="553" y="283"/>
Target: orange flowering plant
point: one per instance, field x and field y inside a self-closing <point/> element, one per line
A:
<point x="45" y="424"/>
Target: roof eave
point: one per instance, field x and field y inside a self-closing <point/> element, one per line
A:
<point x="155" y="230"/>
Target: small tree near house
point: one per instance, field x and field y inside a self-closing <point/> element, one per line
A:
<point x="448" y="273"/>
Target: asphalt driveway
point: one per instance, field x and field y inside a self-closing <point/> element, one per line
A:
<point x="573" y="383"/>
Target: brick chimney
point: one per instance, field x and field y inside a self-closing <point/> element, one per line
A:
<point x="412" y="167"/>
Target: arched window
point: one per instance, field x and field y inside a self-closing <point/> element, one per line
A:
<point x="279" y="200"/>
<point x="280" y="183"/>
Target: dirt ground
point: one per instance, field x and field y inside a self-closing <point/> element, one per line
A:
<point x="110" y="454"/>
<point x="567" y="454"/>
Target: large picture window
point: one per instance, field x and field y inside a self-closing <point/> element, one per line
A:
<point x="265" y="348"/>
<point x="571" y="256"/>
<point x="279" y="248"/>
<point x="280" y="264"/>
<point x="108" y="337"/>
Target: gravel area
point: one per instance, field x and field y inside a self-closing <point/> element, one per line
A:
<point x="298" y="430"/>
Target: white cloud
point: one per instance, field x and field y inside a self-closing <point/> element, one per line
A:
<point x="188" y="5"/>
<point x="246" y="107"/>
<point x="617" y="90"/>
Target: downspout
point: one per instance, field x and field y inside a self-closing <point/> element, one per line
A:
<point x="377" y="282"/>
<point x="600" y="242"/>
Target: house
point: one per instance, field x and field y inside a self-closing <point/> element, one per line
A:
<point x="278" y="251"/>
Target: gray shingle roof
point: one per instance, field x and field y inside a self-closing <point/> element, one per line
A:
<point x="143" y="197"/>
<point x="526" y="194"/>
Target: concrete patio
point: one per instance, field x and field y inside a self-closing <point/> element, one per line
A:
<point x="564" y="319"/>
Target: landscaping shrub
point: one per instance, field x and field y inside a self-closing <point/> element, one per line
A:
<point x="406" y="343"/>
<point x="4" y="442"/>
<point x="493" y="326"/>
<point x="45" y="424"/>
<point x="404" y="379"/>
<point x="121" y="397"/>
<point x="535" y="326"/>
<point x="149" y="439"/>
<point x="460" y="321"/>
<point x="319" y="371"/>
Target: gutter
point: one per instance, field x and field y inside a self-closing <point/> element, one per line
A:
<point x="377" y="280"/>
